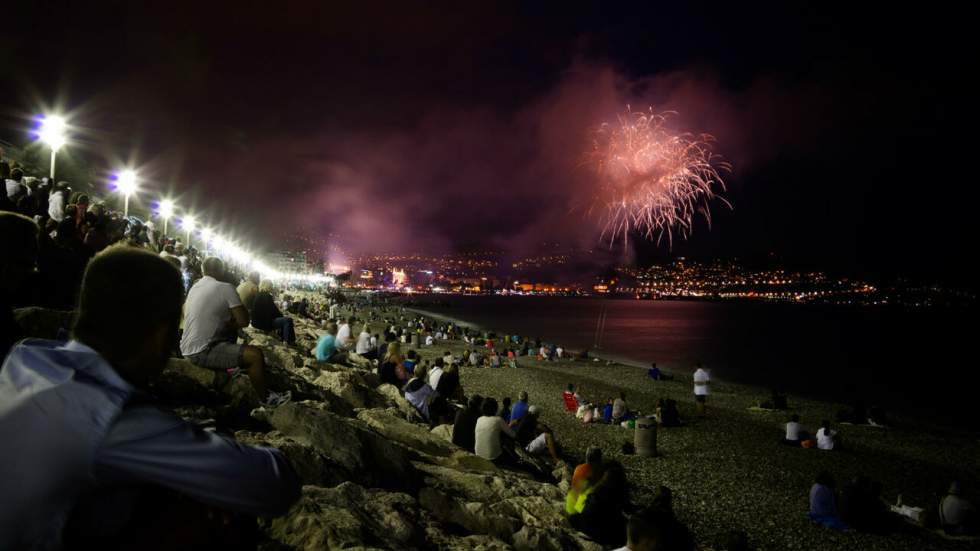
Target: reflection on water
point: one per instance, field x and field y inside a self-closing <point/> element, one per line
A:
<point x="889" y="356"/>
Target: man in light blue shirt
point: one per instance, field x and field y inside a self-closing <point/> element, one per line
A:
<point x="326" y="347"/>
<point x="76" y="421"/>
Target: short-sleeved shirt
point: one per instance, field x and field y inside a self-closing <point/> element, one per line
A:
<point x="825" y="441"/>
<point x="207" y="312"/>
<point x="701" y="376"/>
<point x="519" y="410"/>
<point x="325" y="348"/>
<point x="792" y="431"/>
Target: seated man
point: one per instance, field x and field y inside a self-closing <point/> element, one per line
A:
<point x="326" y="347"/>
<point x="418" y="392"/>
<point x="519" y="409"/>
<point x="795" y="433"/>
<point x="657" y="375"/>
<point x="620" y="411"/>
<point x="536" y="438"/>
<point x="212" y="312"/>
<point x="248" y="289"/>
<point x="267" y="316"/>
<point x="89" y="441"/>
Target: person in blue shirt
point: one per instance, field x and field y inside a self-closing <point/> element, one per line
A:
<point x="326" y="347"/>
<point x="83" y="440"/>
<point x="519" y="410"/>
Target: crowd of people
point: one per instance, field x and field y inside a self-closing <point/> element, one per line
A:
<point x="87" y="431"/>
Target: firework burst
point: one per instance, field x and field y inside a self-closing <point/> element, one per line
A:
<point x="652" y="180"/>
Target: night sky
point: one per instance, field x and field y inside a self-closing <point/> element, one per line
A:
<point x="458" y="126"/>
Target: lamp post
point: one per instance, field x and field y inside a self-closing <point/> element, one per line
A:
<point x="52" y="133"/>
<point x="126" y="184"/>
<point x="166" y="211"/>
<point x="189" y="224"/>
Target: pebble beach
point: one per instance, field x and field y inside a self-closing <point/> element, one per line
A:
<point x="728" y="470"/>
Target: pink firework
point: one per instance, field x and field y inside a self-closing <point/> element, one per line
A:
<point x="651" y="179"/>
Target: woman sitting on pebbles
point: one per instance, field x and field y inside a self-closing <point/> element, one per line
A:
<point x="487" y="434"/>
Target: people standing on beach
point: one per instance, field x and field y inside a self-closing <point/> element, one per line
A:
<point x="701" y="382"/>
<point x="487" y="434"/>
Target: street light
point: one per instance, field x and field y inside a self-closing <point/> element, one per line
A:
<point x="189" y="224"/>
<point x="52" y="133"/>
<point x="126" y="184"/>
<point x="166" y="211"/>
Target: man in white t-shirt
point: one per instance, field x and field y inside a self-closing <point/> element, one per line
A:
<point x="794" y="431"/>
<point x="213" y="313"/>
<point x="363" y="346"/>
<point x="436" y="373"/>
<point x="429" y="341"/>
<point x="344" y="335"/>
<point x="701" y="381"/>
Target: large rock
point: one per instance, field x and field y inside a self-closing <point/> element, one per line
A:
<point x="43" y="323"/>
<point x="412" y="435"/>
<point x="183" y="382"/>
<point x="311" y="466"/>
<point x="367" y="457"/>
<point x="350" y="388"/>
<point x="520" y="512"/>
<point x="350" y="516"/>
<point x="408" y="411"/>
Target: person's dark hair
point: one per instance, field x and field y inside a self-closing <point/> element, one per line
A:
<point x="412" y="355"/>
<point x="506" y="402"/>
<point x="653" y="364"/>
<point x="476" y="402"/>
<point x="825" y="424"/>
<point x="489" y="407"/>
<point x="571" y="387"/>
<point x="649" y="526"/>
<point x="19" y="241"/>
<point x="795" y="418"/>
<point x="824" y="478"/>
<point x="593" y="455"/>
<point x="663" y="499"/>
<point x="126" y="295"/>
<point x="622" y="396"/>
<point x="439" y="362"/>
<point x="16" y="174"/>
<point x="82" y="200"/>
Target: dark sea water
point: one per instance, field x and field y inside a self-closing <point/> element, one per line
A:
<point x="916" y="361"/>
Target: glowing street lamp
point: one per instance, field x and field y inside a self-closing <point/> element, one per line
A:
<point x="189" y="223"/>
<point x="126" y="184"/>
<point x="166" y="211"/>
<point x="52" y="133"/>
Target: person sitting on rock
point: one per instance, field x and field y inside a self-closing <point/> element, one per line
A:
<point x="213" y="309"/>
<point x="603" y="517"/>
<point x="411" y="360"/>
<point x="653" y="529"/>
<point x="583" y="479"/>
<point x="448" y="384"/>
<point x="363" y="347"/>
<point x="487" y="433"/>
<point x="92" y="448"/>
<point x="248" y="290"/>
<point x="326" y="348"/>
<point x="267" y="317"/>
<point x="418" y="392"/>
<point x="435" y="373"/>
<point x="535" y="437"/>
<point x="464" y="426"/>
<point x="392" y="369"/>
